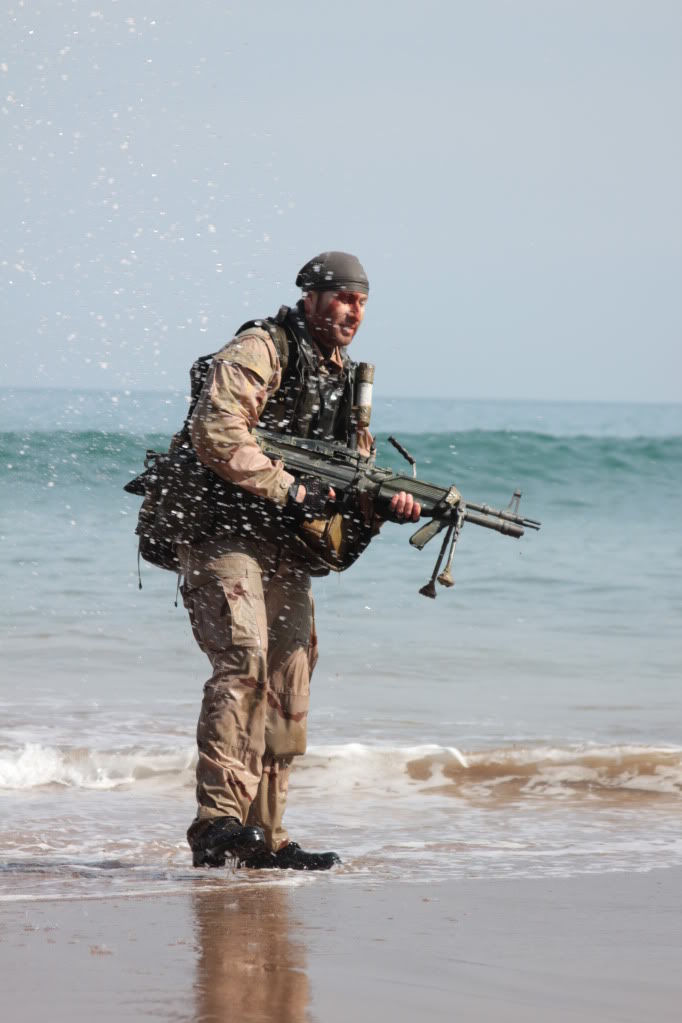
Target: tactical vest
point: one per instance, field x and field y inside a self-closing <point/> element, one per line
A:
<point x="308" y="403"/>
<point x="185" y="503"/>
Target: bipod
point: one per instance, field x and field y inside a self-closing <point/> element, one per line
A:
<point x="446" y="577"/>
<point x="429" y="590"/>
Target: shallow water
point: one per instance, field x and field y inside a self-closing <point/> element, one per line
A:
<point x="524" y="723"/>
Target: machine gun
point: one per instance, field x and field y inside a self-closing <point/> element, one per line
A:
<point x="353" y="475"/>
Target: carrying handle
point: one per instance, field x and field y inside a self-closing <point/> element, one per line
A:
<point x="405" y="453"/>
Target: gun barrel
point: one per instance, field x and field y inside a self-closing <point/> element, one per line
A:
<point x="501" y="525"/>
<point x="485" y="509"/>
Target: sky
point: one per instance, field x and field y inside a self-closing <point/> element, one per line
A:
<point x="509" y="173"/>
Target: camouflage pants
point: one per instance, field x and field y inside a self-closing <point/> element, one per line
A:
<point x="251" y="612"/>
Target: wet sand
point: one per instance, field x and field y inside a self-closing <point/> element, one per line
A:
<point x="595" y="949"/>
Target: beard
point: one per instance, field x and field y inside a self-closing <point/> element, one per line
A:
<point x="327" y="328"/>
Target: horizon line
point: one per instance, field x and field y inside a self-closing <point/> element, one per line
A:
<point x="177" y="392"/>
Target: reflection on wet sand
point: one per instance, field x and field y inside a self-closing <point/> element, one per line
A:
<point x="249" y="968"/>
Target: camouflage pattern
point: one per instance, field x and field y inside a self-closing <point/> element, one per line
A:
<point x="252" y="614"/>
<point x="250" y="606"/>
<point x="243" y="377"/>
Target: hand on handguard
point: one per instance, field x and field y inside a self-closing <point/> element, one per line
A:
<point x="404" y="507"/>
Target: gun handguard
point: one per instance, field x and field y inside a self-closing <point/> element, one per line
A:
<point x="352" y="475"/>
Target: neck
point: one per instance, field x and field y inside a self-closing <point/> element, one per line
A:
<point x="330" y="352"/>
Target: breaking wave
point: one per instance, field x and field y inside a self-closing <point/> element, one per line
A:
<point x="35" y="766"/>
<point x="100" y="457"/>
<point x="486" y="776"/>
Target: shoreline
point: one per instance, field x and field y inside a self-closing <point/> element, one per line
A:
<point x="599" y="948"/>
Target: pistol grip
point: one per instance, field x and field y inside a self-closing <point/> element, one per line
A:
<point x="426" y="533"/>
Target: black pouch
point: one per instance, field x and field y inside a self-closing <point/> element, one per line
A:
<point x="178" y="505"/>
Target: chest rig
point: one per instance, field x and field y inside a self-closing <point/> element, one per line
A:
<point x="185" y="503"/>
<point x="313" y="400"/>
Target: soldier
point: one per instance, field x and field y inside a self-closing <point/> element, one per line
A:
<point x="247" y="589"/>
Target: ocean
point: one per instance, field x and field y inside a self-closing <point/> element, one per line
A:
<point x="525" y="723"/>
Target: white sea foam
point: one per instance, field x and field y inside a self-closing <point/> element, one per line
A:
<point x="367" y="771"/>
<point x="113" y="821"/>
<point x="36" y="765"/>
<point x="525" y="771"/>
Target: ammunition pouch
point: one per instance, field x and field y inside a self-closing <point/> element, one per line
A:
<point x="178" y="505"/>
<point x="337" y="541"/>
<point x="185" y="503"/>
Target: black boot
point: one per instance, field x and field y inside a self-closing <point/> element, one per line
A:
<point x="226" y="836"/>
<point x="291" y="857"/>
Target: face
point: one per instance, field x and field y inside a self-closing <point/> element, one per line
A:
<point x="333" y="317"/>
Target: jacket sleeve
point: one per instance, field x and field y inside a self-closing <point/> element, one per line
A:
<point x="244" y="375"/>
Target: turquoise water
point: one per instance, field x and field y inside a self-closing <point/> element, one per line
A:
<point x="538" y="699"/>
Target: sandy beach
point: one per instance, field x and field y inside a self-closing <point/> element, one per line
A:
<point x="594" y="948"/>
